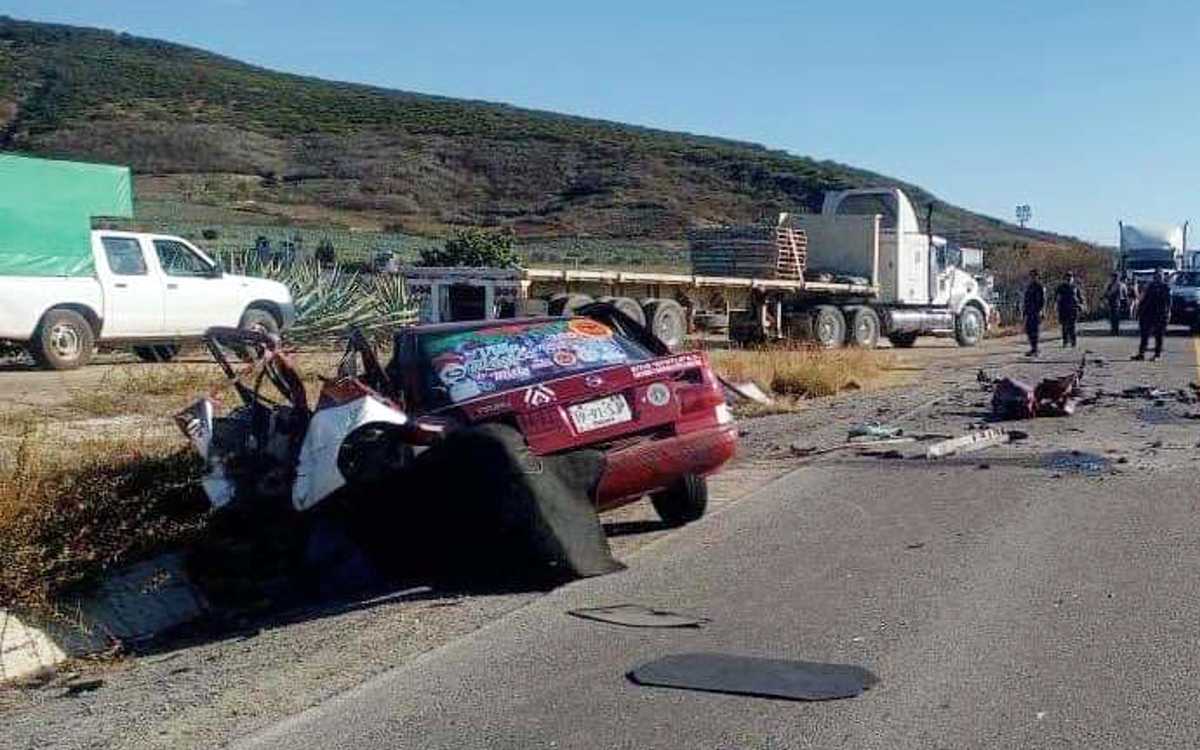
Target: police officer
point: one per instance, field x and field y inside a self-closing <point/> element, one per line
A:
<point x="1068" y="299"/>
<point x="1116" y="296"/>
<point x="1153" y="311"/>
<point x="1034" y="303"/>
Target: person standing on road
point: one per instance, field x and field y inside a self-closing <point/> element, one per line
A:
<point x="1116" y="296"/>
<point x="1068" y="299"/>
<point x="1153" y="311"/>
<point x="1034" y="303"/>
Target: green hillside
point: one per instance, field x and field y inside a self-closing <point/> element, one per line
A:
<point x="212" y="137"/>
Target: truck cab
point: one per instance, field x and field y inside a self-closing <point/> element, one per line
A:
<point x="920" y="274"/>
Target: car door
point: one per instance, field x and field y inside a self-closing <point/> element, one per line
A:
<point x="133" y="292"/>
<point x="196" y="296"/>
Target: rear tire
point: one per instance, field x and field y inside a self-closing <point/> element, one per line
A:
<point x="683" y="502"/>
<point x="902" y="340"/>
<point x="627" y="305"/>
<point x="64" y="341"/>
<point x="864" y="328"/>
<point x="667" y="321"/>
<point x="257" y="319"/>
<point x="828" y="327"/>
<point x="567" y="304"/>
<point x="159" y="353"/>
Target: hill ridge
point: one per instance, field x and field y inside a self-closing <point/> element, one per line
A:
<point x="204" y="128"/>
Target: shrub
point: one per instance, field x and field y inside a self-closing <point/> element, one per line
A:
<point x="474" y="248"/>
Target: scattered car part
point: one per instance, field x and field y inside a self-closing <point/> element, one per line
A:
<point x="969" y="443"/>
<point x="638" y="616"/>
<point x="763" y="678"/>
<point x="748" y="391"/>
<point x="872" y="432"/>
<point x="1013" y="399"/>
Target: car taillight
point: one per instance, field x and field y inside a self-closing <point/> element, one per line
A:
<point x="701" y="397"/>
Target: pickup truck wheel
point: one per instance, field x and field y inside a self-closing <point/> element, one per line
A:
<point x="64" y="341"/>
<point x="567" y="304"/>
<point x="828" y="327"/>
<point x="902" y="340"/>
<point x="259" y="320"/>
<point x="864" y="328"/>
<point x="969" y="327"/>
<point x="666" y="319"/>
<point x="683" y="502"/>
<point x="160" y="353"/>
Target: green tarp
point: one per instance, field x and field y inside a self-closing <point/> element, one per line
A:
<point x="46" y="211"/>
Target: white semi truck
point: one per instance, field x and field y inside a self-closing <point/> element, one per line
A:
<point x="1145" y="249"/>
<point x="860" y="270"/>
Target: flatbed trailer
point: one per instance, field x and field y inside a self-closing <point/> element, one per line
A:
<point x="858" y="271"/>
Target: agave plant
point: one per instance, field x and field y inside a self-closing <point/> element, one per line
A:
<point x="330" y="301"/>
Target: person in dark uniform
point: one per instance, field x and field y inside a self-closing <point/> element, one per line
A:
<point x="1068" y="298"/>
<point x="1116" y="296"/>
<point x="1153" y="311"/>
<point x="1034" y="303"/>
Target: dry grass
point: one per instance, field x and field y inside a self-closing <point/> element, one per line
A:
<point x="144" y="389"/>
<point x="68" y="512"/>
<point x="794" y="374"/>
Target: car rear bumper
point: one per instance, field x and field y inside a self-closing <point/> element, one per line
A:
<point x="651" y="465"/>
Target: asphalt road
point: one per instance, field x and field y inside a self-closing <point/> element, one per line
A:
<point x="1015" y="597"/>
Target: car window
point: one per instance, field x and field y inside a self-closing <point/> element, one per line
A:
<point x="460" y="365"/>
<point x="124" y="255"/>
<point x="177" y="259"/>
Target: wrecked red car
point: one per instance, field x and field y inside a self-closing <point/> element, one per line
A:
<point x="597" y="381"/>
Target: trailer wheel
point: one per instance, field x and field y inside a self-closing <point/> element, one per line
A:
<point x="864" y="327"/>
<point x="567" y="304"/>
<point x="64" y="341"/>
<point x="159" y="353"/>
<point x="969" y="327"/>
<point x="828" y="326"/>
<point x="902" y="340"/>
<point x="666" y="320"/>
<point x="627" y="305"/>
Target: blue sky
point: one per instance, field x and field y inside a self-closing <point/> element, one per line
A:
<point x="1085" y="110"/>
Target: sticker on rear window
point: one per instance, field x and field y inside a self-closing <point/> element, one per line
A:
<point x="473" y="363"/>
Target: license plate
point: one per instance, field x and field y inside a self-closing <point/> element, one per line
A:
<point x="603" y="412"/>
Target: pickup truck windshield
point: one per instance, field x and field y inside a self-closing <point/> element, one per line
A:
<point x="1188" y="278"/>
<point x="461" y="365"/>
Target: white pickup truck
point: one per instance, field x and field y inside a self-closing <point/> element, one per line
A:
<point x="148" y="291"/>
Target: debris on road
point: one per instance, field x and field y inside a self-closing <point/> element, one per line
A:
<point x="969" y="443"/>
<point x="748" y="391"/>
<point x="638" y="616"/>
<point x="807" y="451"/>
<point x="756" y="677"/>
<point x="1014" y="399"/>
<point x="872" y="431"/>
